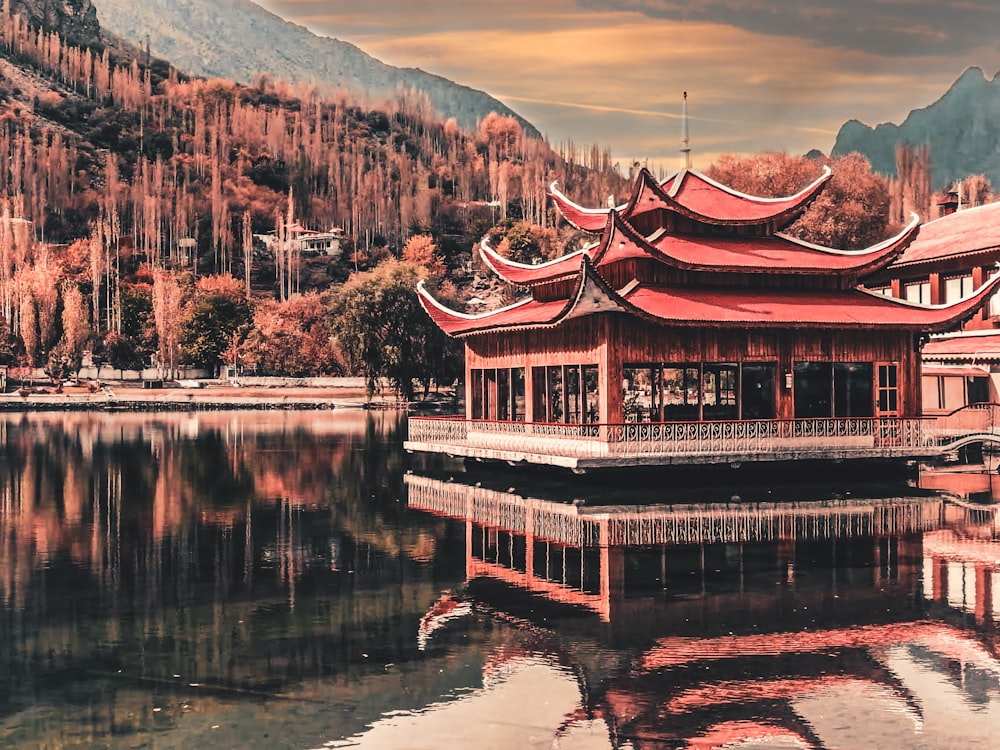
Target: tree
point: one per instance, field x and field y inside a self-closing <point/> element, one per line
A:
<point x="384" y="333"/>
<point x="851" y="212"/>
<point x="292" y="339"/>
<point x="218" y="312"/>
<point x="62" y="362"/>
<point x="123" y="354"/>
<point x="421" y="250"/>
<point x="75" y="325"/>
<point x="976" y="190"/>
<point x="523" y="242"/>
<point x="168" y="303"/>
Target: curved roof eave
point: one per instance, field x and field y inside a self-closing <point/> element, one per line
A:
<point x="875" y="257"/>
<point x="531" y="274"/>
<point x="787" y="208"/>
<point x="593" y="219"/>
<point x="871" y="259"/>
<point x="592" y="295"/>
<point x="802" y="194"/>
<point x="585" y="219"/>
<point x="951" y="314"/>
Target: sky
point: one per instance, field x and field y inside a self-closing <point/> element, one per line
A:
<point x="761" y="75"/>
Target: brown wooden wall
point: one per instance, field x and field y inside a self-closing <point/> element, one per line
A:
<point x="614" y="340"/>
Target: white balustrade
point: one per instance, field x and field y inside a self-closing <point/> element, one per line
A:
<point x="734" y="438"/>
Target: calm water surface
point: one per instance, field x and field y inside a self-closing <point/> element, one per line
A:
<point x="294" y="580"/>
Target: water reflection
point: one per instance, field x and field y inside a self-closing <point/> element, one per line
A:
<point x="281" y="580"/>
<point x="820" y="623"/>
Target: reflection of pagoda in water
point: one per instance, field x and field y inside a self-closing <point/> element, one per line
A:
<point x="800" y="623"/>
<point x="599" y="557"/>
<point x="962" y="561"/>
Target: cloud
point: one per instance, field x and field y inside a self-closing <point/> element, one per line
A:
<point x="761" y="74"/>
<point x="882" y="27"/>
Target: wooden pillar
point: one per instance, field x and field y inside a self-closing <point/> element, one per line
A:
<point x="468" y="382"/>
<point x="979" y="276"/>
<point x="610" y="378"/>
<point x="937" y="292"/>
<point x="529" y="392"/>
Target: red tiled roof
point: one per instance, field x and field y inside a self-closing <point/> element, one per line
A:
<point x="754" y="255"/>
<point x="587" y="219"/>
<point x="696" y="196"/>
<point x="779" y="253"/>
<point x="854" y="308"/>
<point x="712" y="200"/>
<point x="974" y="346"/>
<point x="592" y="295"/>
<point x="960" y="233"/>
<point x="530" y="275"/>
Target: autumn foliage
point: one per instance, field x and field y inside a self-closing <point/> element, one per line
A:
<point x="850" y="213"/>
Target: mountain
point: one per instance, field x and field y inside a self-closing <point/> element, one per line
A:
<point x="962" y="128"/>
<point x="74" y="20"/>
<point x="238" y="40"/>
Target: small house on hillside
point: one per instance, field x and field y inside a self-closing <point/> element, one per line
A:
<point x="307" y="241"/>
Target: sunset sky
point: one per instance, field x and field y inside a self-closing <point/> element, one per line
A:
<point x="760" y="74"/>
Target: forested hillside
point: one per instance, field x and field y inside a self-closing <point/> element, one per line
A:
<point x="237" y="39"/>
<point x="110" y="161"/>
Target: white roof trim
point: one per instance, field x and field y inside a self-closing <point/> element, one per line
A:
<point x="755" y="198"/>
<point x="914" y="222"/>
<point x="424" y="294"/>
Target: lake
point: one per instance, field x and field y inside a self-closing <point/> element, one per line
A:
<point x="295" y="580"/>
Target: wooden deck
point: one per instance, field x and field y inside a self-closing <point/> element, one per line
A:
<point x="592" y="446"/>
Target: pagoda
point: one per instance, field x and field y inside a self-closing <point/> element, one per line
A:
<point x="693" y="330"/>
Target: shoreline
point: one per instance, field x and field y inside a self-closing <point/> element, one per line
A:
<point x="119" y="397"/>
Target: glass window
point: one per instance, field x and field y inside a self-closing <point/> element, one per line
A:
<point x="555" y="394"/>
<point x="503" y="394"/>
<point x="539" y="397"/>
<point x="918" y="291"/>
<point x="572" y="380"/>
<point x="476" y="394"/>
<point x="591" y="394"/>
<point x="852" y="389"/>
<point x="813" y="382"/>
<point x="719" y="387"/>
<point x="888" y="389"/>
<point x="994" y="305"/>
<point x="517" y="389"/>
<point x="757" y="391"/>
<point x="957" y="287"/>
<point x="641" y="398"/>
<point x="681" y="392"/>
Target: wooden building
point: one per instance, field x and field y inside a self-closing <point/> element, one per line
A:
<point x="948" y="259"/>
<point x="693" y="331"/>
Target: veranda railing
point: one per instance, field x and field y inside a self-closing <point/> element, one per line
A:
<point x="681" y="438"/>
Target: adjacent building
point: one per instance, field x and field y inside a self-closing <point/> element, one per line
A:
<point x="947" y="261"/>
